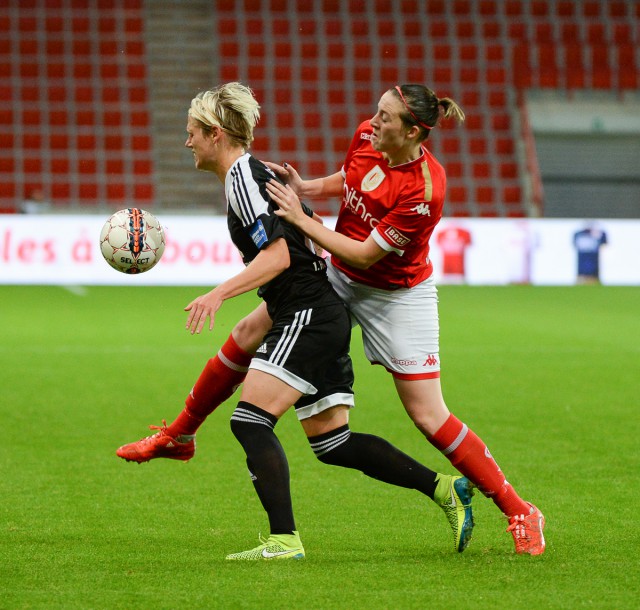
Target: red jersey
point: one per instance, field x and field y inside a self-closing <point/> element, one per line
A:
<point x="453" y="242"/>
<point x="398" y="206"/>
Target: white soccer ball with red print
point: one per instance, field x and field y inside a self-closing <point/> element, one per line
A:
<point x="132" y="241"/>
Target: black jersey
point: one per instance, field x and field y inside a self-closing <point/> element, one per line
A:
<point x="253" y="225"/>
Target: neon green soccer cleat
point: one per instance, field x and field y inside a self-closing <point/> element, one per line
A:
<point x="453" y="496"/>
<point x="281" y="546"/>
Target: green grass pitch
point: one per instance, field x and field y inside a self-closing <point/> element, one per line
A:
<point x="548" y="377"/>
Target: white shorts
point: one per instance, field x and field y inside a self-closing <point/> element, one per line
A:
<point x="400" y="328"/>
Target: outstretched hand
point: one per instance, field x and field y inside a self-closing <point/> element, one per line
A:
<point x="288" y="202"/>
<point x="201" y="308"/>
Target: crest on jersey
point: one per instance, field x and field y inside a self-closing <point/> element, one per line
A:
<point x="372" y="180"/>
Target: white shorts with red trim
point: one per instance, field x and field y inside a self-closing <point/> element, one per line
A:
<point x="400" y="328"/>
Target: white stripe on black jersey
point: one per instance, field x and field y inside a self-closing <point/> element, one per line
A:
<point x="243" y="197"/>
<point x="253" y="226"/>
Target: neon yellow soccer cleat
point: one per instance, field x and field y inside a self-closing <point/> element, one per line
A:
<point x="453" y="496"/>
<point x="281" y="546"/>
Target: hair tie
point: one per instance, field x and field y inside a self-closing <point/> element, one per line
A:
<point x="429" y="127"/>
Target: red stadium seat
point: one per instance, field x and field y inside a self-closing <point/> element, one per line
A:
<point x="314" y="144"/>
<point x="477" y="146"/>
<point x="570" y="33"/>
<point x="544" y="33"/>
<point x="511" y="194"/>
<point x="513" y="8"/>
<point x="457" y="194"/>
<point x="449" y="144"/>
<point x="508" y="170"/>
<point x="540" y="8"/>
<point x="410" y="7"/>
<point x="481" y="170"/>
<point x="565" y="8"/>
<point x="60" y="166"/>
<point x="470" y="98"/>
<point x="462" y="8"/>
<point x="253" y="27"/>
<point x="488" y="8"/>
<point x="591" y="8"/>
<point x="596" y="34"/>
<point x="280" y="27"/>
<point x="521" y="63"/>
<point x="617" y="9"/>
<point x="574" y="66"/>
<point x="497" y="98"/>
<point x="622" y="33"/>
<point x="627" y="68"/>
<point x="32" y="165"/>
<point x="437" y="29"/>
<point x="484" y="194"/>
<point x="491" y="30"/>
<point x="454" y="169"/>
<point x="473" y="122"/>
<point x="465" y="29"/>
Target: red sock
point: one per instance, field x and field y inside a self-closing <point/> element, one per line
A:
<point x="219" y="379"/>
<point x="470" y="456"/>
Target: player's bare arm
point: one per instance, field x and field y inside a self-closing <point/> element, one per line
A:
<point x="359" y="254"/>
<point x="320" y="188"/>
<point x="269" y="263"/>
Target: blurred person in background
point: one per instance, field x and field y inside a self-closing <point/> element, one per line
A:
<point x="292" y="350"/>
<point x="588" y="243"/>
<point x="35" y="203"/>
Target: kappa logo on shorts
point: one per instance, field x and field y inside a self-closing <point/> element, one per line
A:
<point x="372" y="180"/>
<point x="403" y="361"/>
<point x="431" y="360"/>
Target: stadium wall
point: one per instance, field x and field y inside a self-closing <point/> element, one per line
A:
<point x="63" y="250"/>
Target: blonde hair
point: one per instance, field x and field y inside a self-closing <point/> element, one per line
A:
<point x="232" y="107"/>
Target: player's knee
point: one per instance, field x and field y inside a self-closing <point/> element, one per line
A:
<point x="249" y="332"/>
<point x="247" y="419"/>
<point x="332" y="447"/>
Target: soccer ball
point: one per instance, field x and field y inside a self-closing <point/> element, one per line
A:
<point x="132" y="241"/>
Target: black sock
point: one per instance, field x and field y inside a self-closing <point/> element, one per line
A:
<point x="267" y="464"/>
<point x="375" y="457"/>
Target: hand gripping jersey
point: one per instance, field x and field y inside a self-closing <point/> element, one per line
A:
<point x="253" y="225"/>
<point x="399" y="206"/>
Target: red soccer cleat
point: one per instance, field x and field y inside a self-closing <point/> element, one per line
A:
<point x="527" y="532"/>
<point x="158" y="445"/>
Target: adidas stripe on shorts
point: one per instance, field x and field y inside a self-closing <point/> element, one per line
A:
<point x="308" y="349"/>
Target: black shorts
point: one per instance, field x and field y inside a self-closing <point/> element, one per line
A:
<point x="308" y="349"/>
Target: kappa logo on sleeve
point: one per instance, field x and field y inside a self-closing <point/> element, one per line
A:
<point x="396" y="237"/>
<point x="258" y="234"/>
<point x="422" y="208"/>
